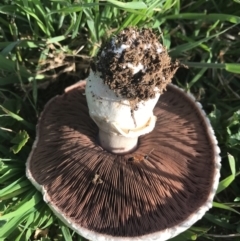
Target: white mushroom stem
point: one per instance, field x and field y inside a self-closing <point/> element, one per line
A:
<point x="119" y="127"/>
<point x="117" y="143"/>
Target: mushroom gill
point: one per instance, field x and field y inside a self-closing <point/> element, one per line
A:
<point x="159" y="186"/>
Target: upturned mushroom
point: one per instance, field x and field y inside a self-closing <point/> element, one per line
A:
<point x="113" y="167"/>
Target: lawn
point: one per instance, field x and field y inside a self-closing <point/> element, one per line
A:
<point x="47" y="45"/>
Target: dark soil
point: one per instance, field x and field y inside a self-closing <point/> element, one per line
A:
<point x="158" y="67"/>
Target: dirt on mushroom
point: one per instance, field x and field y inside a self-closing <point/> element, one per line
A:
<point x="145" y="51"/>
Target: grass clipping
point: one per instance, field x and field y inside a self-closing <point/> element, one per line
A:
<point x="135" y="65"/>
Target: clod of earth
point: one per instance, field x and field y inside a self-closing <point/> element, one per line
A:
<point x="135" y="65"/>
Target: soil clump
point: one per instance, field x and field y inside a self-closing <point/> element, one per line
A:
<point x="135" y="65"/>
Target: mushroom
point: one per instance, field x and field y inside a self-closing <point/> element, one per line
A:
<point x="142" y="174"/>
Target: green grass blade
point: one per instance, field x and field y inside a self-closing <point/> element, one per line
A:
<point x="20" y="141"/>
<point x="128" y="5"/>
<point x="19" y="186"/>
<point x="9" y="173"/>
<point x="224" y="206"/>
<point x="11" y="225"/>
<point x="49" y="222"/>
<point x="218" y="221"/>
<point x="39" y="22"/>
<point x="225" y="183"/>
<point x="204" y="16"/>
<point x="29" y="220"/>
<point x="188" y="46"/>
<point x="46" y="218"/>
<point x="232" y="164"/>
<point x="24" y="44"/>
<point x="65" y="231"/>
<point x="77" y="24"/>
<point x="228" y="180"/>
<point x="9" y="48"/>
<point x="9" y="66"/>
<point x="196" y="78"/>
<point x="204" y="65"/>
<point x="56" y="39"/>
<point x="28" y="202"/>
<point x="234" y="68"/>
<point x="17" y="117"/>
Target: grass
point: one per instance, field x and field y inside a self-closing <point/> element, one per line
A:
<point x="47" y="45"/>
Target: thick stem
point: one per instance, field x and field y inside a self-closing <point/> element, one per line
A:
<point x="119" y="125"/>
<point x="117" y="144"/>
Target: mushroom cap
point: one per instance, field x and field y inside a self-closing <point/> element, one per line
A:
<point x="153" y="193"/>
